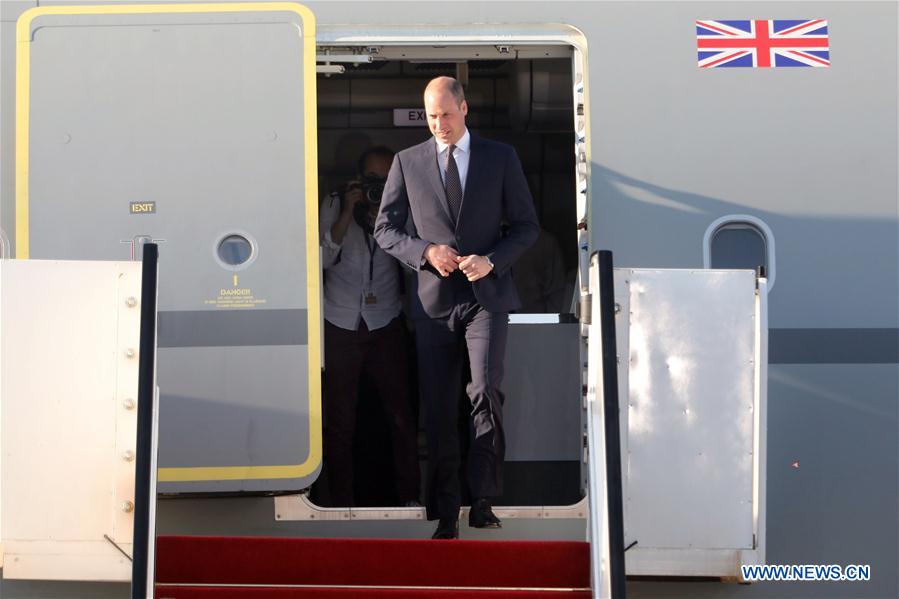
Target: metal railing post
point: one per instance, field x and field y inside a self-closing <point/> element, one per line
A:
<point x="612" y="428"/>
<point x="144" y="535"/>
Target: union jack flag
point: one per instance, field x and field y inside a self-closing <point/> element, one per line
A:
<point x="762" y="43"/>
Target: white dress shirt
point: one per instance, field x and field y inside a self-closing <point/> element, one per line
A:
<point x="346" y="278"/>
<point x="462" y="154"/>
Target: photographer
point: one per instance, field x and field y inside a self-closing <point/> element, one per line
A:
<point x="364" y="333"/>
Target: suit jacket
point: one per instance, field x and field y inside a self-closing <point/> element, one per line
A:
<point x="495" y="189"/>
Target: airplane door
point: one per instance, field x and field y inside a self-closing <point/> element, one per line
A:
<point x="191" y="126"/>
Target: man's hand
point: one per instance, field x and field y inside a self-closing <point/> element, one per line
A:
<point x="474" y="267"/>
<point x="352" y="196"/>
<point x="443" y="258"/>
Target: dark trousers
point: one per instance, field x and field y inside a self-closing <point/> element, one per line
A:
<point x="381" y="357"/>
<point x="441" y="345"/>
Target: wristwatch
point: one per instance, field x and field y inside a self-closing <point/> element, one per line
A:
<point x="490" y="262"/>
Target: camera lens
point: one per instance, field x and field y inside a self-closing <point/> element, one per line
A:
<point x="373" y="192"/>
<point x="373" y="189"/>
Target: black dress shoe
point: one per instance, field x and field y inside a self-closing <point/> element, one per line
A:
<point x="482" y="516"/>
<point x="447" y="528"/>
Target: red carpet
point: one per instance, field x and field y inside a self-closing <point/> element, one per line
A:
<point x="493" y="568"/>
<point x="175" y="592"/>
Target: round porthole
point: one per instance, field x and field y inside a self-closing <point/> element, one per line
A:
<point x="740" y="241"/>
<point x="235" y="251"/>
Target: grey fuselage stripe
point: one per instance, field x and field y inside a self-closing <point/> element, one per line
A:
<point x="229" y="328"/>
<point x="833" y="346"/>
<point x="289" y="327"/>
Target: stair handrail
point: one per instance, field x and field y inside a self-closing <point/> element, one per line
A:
<point x="604" y="436"/>
<point x="143" y="562"/>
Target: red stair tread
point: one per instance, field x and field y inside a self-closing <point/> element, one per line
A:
<point x="376" y="562"/>
<point x="210" y="592"/>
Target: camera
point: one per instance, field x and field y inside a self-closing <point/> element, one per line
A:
<point x="372" y="189"/>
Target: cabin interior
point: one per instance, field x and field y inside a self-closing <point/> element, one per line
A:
<point x="523" y="96"/>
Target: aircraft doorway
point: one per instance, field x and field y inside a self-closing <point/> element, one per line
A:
<point x="524" y="96"/>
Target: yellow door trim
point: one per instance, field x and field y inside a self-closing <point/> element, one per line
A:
<point x="23" y="95"/>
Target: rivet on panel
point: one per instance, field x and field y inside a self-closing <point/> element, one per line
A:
<point x="128" y="455"/>
<point x="131" y="302"/>
<point x="128" y="507"/>
<point x="128" y="403"/>
<point x="130" y="353"/>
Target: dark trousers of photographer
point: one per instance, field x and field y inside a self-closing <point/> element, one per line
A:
<point x="381" y="357"/>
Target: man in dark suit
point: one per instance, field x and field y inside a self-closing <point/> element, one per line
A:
<point x="440" y="215"/>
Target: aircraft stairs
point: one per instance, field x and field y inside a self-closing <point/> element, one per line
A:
<point x="69" y="547"/>
<point x="241" y="567"/>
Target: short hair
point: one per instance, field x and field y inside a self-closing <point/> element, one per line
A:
<point x="380" y="151"/>
<point x="453" y="86"/>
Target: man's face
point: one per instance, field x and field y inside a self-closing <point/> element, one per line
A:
<point x="377" y="165"/>
<point x="446" y="119"/>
